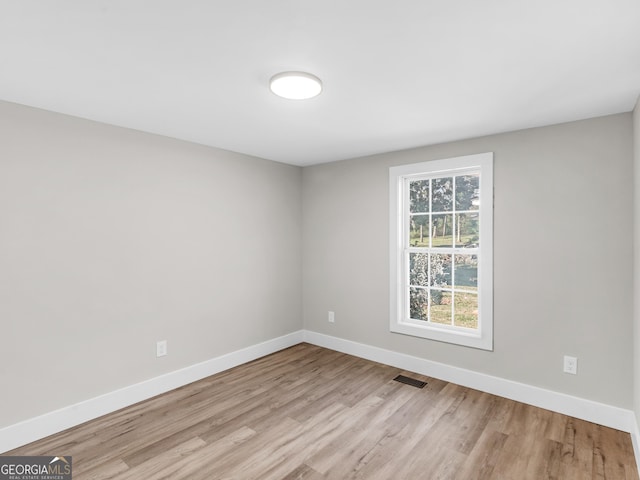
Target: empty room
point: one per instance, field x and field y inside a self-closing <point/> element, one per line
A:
<point x="319" y="240"/>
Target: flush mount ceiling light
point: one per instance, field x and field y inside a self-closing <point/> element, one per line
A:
<point x="295" y="85"/>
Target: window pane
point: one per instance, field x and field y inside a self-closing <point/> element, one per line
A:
<point x="442" y="200"/>
<point x="419" y="196"/>
<point x="466" y="274"/>
<point x="440" y="270"/>
<point x="442" y="231"/>
<point x="419" y="303"/>
<point x="466" y="310"/>
<point x="419" y="231"/>
<point x="440" y="307"/>
<point x="468" y="230"/>
<point x="419" y="269"/>
<point x="468" y="192"/>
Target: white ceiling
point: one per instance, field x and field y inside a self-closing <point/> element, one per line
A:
<point x="397" y="74"/>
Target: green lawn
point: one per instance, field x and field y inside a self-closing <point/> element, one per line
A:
<point x="445" y="241"/>
<point x="466" y="310"/>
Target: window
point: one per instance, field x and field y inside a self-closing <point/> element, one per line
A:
<point x="441" y="218"/>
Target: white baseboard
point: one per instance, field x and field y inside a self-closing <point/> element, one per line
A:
<point x="595" y="412"/>
<point x="42" y="426"/>
<point x="635" y="440"/>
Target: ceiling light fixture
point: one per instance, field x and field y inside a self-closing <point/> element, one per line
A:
<point x="295" y="85"/>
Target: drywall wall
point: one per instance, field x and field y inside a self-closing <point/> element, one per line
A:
<point x="636" y="262"/>
<point x="563" y="247"/>
<point x="112" y="239"/>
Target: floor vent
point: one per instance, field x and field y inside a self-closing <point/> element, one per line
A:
<point x="410" y="381"/>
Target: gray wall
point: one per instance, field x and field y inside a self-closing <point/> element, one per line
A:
<point x="563" y="246"/>
<point x="111" y="239"/>
<point x="636" y="269"/>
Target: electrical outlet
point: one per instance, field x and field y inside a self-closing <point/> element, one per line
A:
<point x="161" y="348"/>
<point x="332" y="317"/>
<point x="570" y="365"/>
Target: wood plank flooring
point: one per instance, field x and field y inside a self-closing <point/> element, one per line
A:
<point x="311" y="413"/>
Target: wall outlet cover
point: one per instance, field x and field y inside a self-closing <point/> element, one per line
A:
<point x="570" y="365"/>
<point x="161" y="348"/>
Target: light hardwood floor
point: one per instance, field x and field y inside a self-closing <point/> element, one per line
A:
<point x="311" y="413"/>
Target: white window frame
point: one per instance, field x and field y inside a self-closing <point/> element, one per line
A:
<point x="400" y="321"/>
